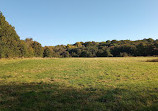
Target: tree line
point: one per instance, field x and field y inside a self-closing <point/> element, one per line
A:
<point x="11" y="46"/>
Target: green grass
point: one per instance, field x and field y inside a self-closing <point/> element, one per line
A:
<point x="79" y="84"/>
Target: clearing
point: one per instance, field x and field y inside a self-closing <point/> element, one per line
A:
<point x="37" y="84"/>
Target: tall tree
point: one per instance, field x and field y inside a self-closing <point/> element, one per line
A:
<point x="38" y="49"/>
<point x="9" y="40"/>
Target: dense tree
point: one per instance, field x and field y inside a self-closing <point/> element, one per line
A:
<point x="10" y="43"/>
<point x="30" y="50"/>
<point x="104" y="53"/>
<point x="38" y="49"/>
<point x="65" y="54"/>
<point x="47" y="52"/>
<point x="23" y="49"/>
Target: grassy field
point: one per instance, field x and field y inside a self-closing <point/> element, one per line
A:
<point x="86" y="84"/>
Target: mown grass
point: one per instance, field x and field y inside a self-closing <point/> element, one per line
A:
<point x="74" y="84"/>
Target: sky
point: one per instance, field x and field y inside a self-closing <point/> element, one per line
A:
<point x="56" y="22"/>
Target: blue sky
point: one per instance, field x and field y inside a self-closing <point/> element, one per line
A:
<point x="53" y="22"/>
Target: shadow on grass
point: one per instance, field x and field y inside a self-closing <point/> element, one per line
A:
<point x="126" y="100"/>
<point x="153" y="60"/>
<point x="52" y="97"/>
